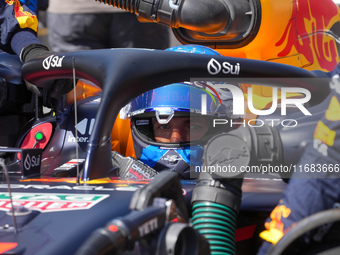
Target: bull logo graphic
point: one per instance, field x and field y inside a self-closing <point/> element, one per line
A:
<point x="305" y="32"/>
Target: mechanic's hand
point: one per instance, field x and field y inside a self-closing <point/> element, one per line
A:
<point x="60" y="87"/>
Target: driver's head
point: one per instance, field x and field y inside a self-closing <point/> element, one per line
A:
<point x="168" y="128"/>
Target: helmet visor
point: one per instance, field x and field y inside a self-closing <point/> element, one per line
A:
<point x="177" y="97"/>
<point x="175" y="114"/>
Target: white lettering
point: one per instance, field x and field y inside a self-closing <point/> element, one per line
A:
<point x="214" y="67"/>
<point x="53" y="61"/>
<point x="36" y="186"/>
<point x="81" y="139"/>
<point x="219" y="122"/>
<point x="72" y="205"/>
<point x="296" y="101"/>
<point x="30" y="162"/>
<point x="55" y="205"/>
<point x="290" y="121"/>
<point x="229" y="68"/>
<point x="239" y="102"/>
<point x="256" y="122"/>
<point x="148" y="227"/>
<point x="262" y="112"/>
<point x="60" y="187"/>
<point x="140" y="170"/>
<point x="79" y="198"/>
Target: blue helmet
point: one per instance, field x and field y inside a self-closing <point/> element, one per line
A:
<point x="164" y="105"/>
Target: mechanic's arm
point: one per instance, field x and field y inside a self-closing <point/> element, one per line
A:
<point x="315" y="186"/>
<point x="18" y="31"/>
<point x="18" y="34"/>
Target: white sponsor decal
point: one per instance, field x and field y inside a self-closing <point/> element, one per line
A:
<point x="148" y="227"/>
<point x="53" y="61"/>
<point x="140" y="170"/>
<point x="82" y="128"/>
<point x="30" y="162"/>
<point x="69" y="165"/>
<point x="215" y="67"/>
<point x="49" y="202"/>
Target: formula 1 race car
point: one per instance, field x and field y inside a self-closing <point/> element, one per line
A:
<point x="52" y="199"/>
<point x="63" y="189"/>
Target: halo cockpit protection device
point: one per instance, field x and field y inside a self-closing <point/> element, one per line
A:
<point x="161" y="105"/>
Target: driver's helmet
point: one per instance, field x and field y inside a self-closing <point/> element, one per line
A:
<point x="176" y="106"/>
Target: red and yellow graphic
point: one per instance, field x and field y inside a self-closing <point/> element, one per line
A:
<point x="96" y="181"/>
<point x="275" y="227"/>
<point x="298" y="33"/>
<point x="324" y="134"/>
<point x="24" y="18"/>
<point x="308" y="33"/>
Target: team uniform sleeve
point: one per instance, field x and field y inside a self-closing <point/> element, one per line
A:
<point x="16" y="18"/>
<point x="315" y="186"/>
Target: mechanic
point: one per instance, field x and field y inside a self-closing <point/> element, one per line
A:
<point x="19" y="31"/>
<point x="315" y="186"/>
<point x="18" y="35"/>
<point x="168" y="129"/>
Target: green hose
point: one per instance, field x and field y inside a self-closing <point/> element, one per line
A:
<point x="217" y="223"/>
